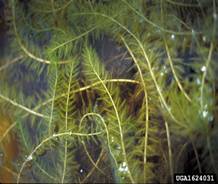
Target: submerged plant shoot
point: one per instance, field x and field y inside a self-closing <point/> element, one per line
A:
<point x="108" y="91"/>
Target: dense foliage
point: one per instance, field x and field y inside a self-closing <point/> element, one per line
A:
<point x="118" y="91"/>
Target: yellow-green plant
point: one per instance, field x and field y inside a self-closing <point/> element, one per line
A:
<point x="112" y="90"/>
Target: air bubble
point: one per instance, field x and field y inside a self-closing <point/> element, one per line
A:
<point x="204" y="114"/>
<point x="205" y="106"/>
<point x="112" y="139"/>
<point x="118" y="147"/>
<point x="81" y="170"/>
<point x="210" y="118"/>
<point x="215" y="16"/>
<point x="123" y="167"/>
<point x="164" y="69"/>
<point x="172" y="36"/>
<point x="55" y="136"/>
<point x="203" y="68"/>
<point x="198" y="81"/>
<point x="29" y="158"/>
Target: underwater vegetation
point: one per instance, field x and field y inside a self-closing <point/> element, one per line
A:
<point x="108" y="91"/>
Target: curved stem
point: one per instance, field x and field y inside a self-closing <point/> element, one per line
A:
<point x="117" y="116"/>
<point x="146" y="58"/>
<point x="146" y="105"/>
<point x="30" y="157"/>
<point x="23" y="107"/>
<point x="15" y="60"/>
<point x="169" y="151"/>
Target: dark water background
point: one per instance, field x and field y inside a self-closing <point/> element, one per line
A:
<point x="114" y="57"/>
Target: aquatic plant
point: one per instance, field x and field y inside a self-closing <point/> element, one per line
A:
<point x="98" y="91"/>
